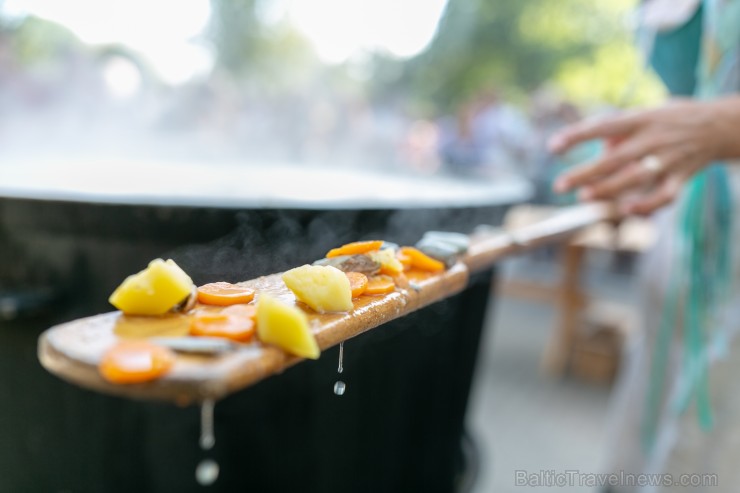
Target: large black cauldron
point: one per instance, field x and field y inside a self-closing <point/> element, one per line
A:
<point x="398" y="428"/>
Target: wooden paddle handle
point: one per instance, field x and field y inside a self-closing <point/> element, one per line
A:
<point x="72" y="350"/>
<point x="486" y="249"/>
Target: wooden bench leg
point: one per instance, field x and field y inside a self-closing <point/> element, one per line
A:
<point x="570" y="302"/>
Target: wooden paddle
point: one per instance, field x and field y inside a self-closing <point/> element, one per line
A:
<point x="73" y="350"/>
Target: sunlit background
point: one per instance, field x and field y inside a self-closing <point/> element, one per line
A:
<point x="110" y="98"/>
<point x="461" y="86"/>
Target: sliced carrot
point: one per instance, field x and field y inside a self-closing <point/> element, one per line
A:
<point x="404" y="259"/>
<point x="355" y="248"/>
<point x="246" y="311"/>
<point x="357" y="283"/>
<point x="224" y="293"/>
<point x="381" y="284"/>
<point x="235" y="323"/>
<point x="418" y="276"/>
<point x="422" y="261"/>
<point x="135" y="362"/>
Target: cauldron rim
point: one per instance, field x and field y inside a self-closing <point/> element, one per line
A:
<point x="239" y="186"/>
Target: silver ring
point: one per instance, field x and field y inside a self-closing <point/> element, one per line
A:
<point x="652" y="163"/>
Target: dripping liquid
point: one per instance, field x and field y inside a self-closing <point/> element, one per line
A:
<point x="206" y="473"/>
<point x="207" y="438"/>
<point x="340" y="386"/>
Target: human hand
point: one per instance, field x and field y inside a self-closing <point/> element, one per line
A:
<point x="649" y="154"/>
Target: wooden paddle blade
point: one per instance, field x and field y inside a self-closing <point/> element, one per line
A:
<point x="73" y="350"/>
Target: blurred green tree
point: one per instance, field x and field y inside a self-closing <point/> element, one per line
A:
<point x="237" y="34"/>
<point x="272" y="55"/>
<point x="583" y="47"/>
<point x="34" y="40"/>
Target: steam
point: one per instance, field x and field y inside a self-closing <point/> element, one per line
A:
<point x="267" y="241"/>
<point x="264" y="242"/>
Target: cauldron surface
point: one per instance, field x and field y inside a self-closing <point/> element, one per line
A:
<point x="397" y="428"/>
<point x="235" y="185"/>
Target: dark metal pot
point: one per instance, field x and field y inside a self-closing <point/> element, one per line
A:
<point x="397" y="428"/>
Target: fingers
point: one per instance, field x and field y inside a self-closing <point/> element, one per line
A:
<point x="666" y="193"/>
<point x="593" y="129"/>
<point x="634" y="176"/>
<point x="631" y="177"/>
<point x="609" y="163"/>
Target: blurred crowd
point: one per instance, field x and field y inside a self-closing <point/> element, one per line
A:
<point x="489" y="137"/>
<point x="82" y="100"/>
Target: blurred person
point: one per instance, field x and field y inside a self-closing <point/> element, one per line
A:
<point x="419" y="146"/>
<point x="487" y="137"/>
<point x="677" y="405"/>
<point x="505" y="133"/>
<point x="459" y="150"/>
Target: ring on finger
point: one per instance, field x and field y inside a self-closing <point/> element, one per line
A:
<point x="652" y="163"/>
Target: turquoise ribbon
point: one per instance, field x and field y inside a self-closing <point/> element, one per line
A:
<point x="698" y="285"/>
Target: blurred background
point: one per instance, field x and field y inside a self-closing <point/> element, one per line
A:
<point x="421" y="87"/>
<point x="461" y="86"/>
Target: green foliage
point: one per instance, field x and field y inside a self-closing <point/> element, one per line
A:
<point x="36" y="40"/>
<point x="613" y="74"/>
<point x="511" y="46"/>
<point x="273" y="56"/>
<point x="236" y="34"/>
<point x="516" y="46"/>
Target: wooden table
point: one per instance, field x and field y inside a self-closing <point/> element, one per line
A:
<point x="632" y="235"/>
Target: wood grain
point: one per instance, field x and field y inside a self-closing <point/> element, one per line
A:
<point x="73" y="350"/>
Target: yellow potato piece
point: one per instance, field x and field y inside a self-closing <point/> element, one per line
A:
<point x="322" y="287"/>
<point x="286" y="327"/>
<point x="389" y="264"/>
<point x="153" y="291"/>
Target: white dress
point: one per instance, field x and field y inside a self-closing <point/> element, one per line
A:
<point x="684" y="456"/>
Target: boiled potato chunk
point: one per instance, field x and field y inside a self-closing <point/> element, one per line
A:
<point x="389" y="264"/>
<point x="153" y="291"/>
<point x="322" y="287"/>
<point x="286" y="327"/>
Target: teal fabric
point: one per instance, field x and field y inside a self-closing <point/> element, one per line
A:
<point x="675" y="56"/>
<point x="699" y="284"/>
<point x="700" y="281"/>
<point x="719" y="66"/>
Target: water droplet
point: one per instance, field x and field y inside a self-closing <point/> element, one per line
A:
<point x="341" y="358"/>
<point x="207" y="437"/>
<point x="207" y="472"/>
<point x="339" y="387"/>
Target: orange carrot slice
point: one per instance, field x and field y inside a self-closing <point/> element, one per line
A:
<point x="404" y="259"/>
<point x="235" y="323"/>
<point x="135" y="362"/>
<point x="355" y="248"/>
<point x="224" y="294"/>
<point x="381" y="284"/>
<point x="357" y="283"/>
<point x="245" y="311"/>
<point x="422" y="261"/>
